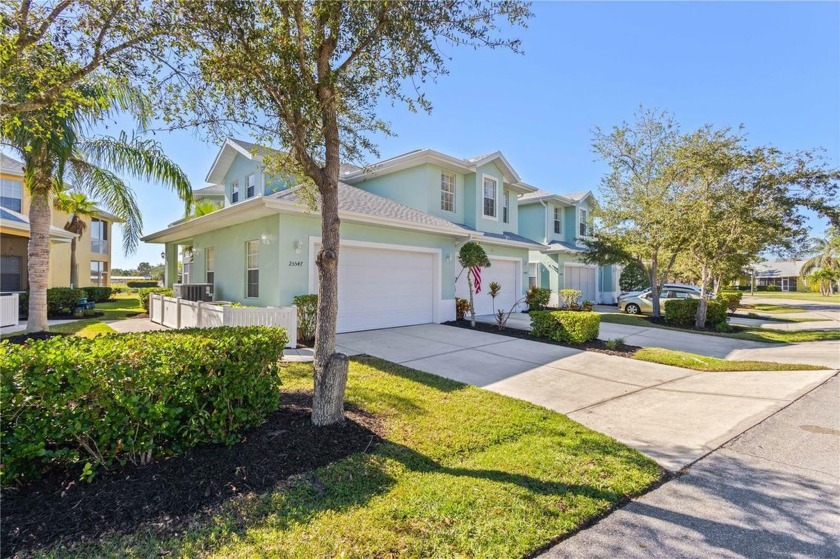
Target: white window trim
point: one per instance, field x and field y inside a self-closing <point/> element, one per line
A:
<point x="246" y="182"/>
<point x="454" y="191"/>
<point x="234" y="187"/>
<point x="247" y="269"/>
<point x="558" y="210"/>
<point x="207" y="269"/>
<point x="506" y="205"/>
<point x="496" y="199"/>
<point x="582" y="221"/>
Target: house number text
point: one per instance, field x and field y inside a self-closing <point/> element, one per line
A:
<point x="295" y="263"/>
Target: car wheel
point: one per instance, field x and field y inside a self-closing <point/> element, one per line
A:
<point x="632" y="308"/>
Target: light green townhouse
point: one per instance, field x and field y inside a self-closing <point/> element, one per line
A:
<point x="403" y="222"/>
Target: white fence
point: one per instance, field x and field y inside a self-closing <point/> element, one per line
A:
<point x="180" y="313"/>
<point x="9" y="310"/>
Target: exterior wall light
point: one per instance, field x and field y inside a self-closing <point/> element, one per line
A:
<point x="298" y="247"/>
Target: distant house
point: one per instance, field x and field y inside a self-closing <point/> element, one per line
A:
<point x="93" y="251"/>
<point x="784" y="274"/>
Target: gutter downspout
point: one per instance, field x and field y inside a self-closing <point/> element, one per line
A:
<point x="545" y="222"/>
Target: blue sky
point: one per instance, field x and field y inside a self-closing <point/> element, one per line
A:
<point x="774" y="67"/>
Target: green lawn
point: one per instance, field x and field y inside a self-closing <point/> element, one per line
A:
<point x="775" y="309"/>
<point x="463" y="472"/>
<point x="703" y="363"/>
<point x="767" y="335"/>
<point x="800" y="295"/>
<point x="120" y="307"/>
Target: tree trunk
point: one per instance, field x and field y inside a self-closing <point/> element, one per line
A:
<point x="700" y="317"/>
<point x="330" y="367"/>
<point x="74" y="266"/>
<point x="38" y="253"/>
<point x="654" y="289"/>
<point x="472" y="306"/>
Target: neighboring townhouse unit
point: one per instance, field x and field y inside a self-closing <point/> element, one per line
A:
<point x="93" y="249"/>
<point x="559" y="221"/>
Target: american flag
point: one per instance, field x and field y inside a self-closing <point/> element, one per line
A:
<point x="476" y="271"/>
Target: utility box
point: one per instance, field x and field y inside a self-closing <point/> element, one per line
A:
<point x="193" y="291"/>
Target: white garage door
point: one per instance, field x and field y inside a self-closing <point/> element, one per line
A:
<point x="501" y="271"/>
<point x="382" y="288"/>
<point x="578" y="277"/>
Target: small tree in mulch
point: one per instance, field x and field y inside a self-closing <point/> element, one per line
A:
<point x="472" y="257"/>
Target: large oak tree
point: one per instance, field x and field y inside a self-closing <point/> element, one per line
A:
<point x="306" y="77"/>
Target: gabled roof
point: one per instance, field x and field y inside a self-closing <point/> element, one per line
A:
<point x="354" y="200"/>
<point x="578" y="196"/>
<point x="421" y="156"/>
<point x="10" y="165"/>
<point x="212" y="191"/>
<point x="779" y="269"/>
<point x="227" y="153"/>
<point x="543" y="195"/>
<point x="14" y="220"/>
<point x="563" y="246"/>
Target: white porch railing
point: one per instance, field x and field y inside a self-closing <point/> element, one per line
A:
<point x="9" y="310"/>
<point x="180" y="313"/>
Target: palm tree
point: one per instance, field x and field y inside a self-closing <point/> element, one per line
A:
<point x="54" y="148"/>
<point x="824" y="266"/>
<point x="202" y="208"/>
<point x="77" y="206"/>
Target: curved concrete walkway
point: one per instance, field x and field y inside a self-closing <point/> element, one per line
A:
<point x="673" y="415"/>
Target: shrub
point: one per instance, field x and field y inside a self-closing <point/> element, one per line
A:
<point x="732" y="299"/>
<point x="307" y="312"/>
<point x="773" y="288"/>
<point x="118" y="289"/>
<point x="462" y="307"/>
<point x="97" y="294"/>
<point x="683" y="312"/>
<point x="140" y="284"/>
<point x="614" y="344"/>
<point x="565" y="326"/>
<point x="145" y="292"/>
<point x="537" y="298"/>
<point x="570" y="297"/>
<point x="633" y="278"/>
<point x="62" y="300"/>
<point x="159" y="394"/>
<point x="587" y="305"/>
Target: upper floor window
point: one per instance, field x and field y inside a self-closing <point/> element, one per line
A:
<point x="585" y="227"/>
<point x="11" y="194"/>
<point x="489" y="206"/>
<point x="251" y="186"/>
<point x="252" y="268"/>
<point x="558" y="220"/>
<point x="447" y="192"/>
<point x="506" y="206"/>
<point x="210" y="266"/>
<point x="98" y="273"/>
<point x="98" y="236"/>
<point x="234" y="192"/>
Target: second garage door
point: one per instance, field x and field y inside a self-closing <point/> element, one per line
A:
<point x="582" y="278"/>
<point x="382" y="288"/>
<point x="501" y="271"/>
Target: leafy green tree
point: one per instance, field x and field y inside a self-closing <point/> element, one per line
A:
<point x="471" y="255"/>
<point x="633" y="278"/>
<point x="77" y="206"/>
<point x="640" y="215"/>
<point x="744" y="201"/>
<point x="91" y="165"/>
<point x="307" y="77"/>
<point x="826" y="257"/>
<point x="144" y="269"/>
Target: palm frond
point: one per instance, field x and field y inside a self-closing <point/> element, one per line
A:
<point x="113" y="195"/>
<point x="140" y="158"/>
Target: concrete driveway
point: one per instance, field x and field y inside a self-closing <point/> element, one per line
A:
<point x="673" y="415"/>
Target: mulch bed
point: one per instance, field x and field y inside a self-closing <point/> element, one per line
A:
<point x="165" y="496"/>
<point x="24" y="338"/>
<point x="598" y="346"/>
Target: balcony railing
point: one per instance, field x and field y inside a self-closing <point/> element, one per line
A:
<point x="99" y="246"/>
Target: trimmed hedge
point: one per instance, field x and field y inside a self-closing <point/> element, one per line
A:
<point x="144" y="294"/>
<point x="62" y="300"/>
<point x="537" y="298"/>
<point x="683" y="312"/>
<point x="307" y="307"/>
<point x="732" y="299"/>
<point x="575" y="327"/>
<point x="132" y="397"/>
<point x="140" y="284"/>
<point x="97" y="294"/>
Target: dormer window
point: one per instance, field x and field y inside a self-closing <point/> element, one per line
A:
<point x="489" y="205"/>
<point x="234" y="192"/>
<point x="506" y="206"/>
<point x="251" y="186"/>
<point x="558" y="221"/>
<point x="447" y="192"/>
<point x="585" y="229"/>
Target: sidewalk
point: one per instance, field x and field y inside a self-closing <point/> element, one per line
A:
<point x="771" y="492"/>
